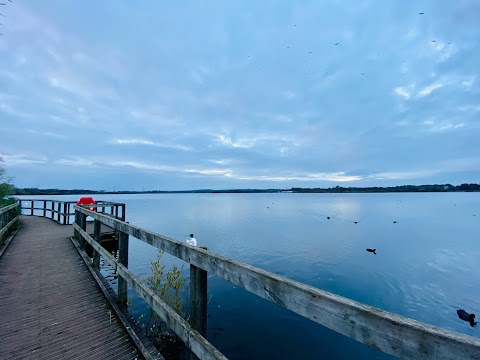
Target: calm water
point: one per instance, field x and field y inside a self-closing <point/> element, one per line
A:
<point x="425" y="268"/>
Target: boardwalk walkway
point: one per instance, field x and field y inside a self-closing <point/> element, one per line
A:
<point x="50" y="306"/>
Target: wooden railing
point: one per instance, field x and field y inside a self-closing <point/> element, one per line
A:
<point x="393" y="334"/>
<point x="8" y="219"/>
<point x="62" y="211"/>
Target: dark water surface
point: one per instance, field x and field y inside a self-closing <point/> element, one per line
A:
<point x="425" y="268"/>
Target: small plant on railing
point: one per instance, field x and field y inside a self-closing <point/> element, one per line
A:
<point x="169" y="287"/>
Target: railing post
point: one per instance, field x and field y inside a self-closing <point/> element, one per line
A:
<point x="123" y="259"/>
<point x="64" y="213"/>
<point x="116" y="211"/>
<point x="53" y="208"/>
<point x="44" y="208"/>
<point x="198" y="301"/>
<point x="76" y="220"/>
<point x="83" y="225"/>
<point x="32" y="206"/>
<point x="58" y="212"/>
<point x="123" y="212"/>
<point x="97" y="226"/>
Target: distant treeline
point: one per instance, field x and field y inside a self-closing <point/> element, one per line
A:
<point x="36" y="191"/>
<point x="402" y="188"/>
<point x="337" y="189"/>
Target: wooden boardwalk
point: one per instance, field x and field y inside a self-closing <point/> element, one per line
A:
<point x="50" y="305"/>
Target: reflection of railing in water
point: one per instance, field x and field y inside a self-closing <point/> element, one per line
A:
<point x="390" y="333"/>
<point x="61" y="211"/>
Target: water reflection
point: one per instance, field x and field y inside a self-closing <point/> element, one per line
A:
<point x="425" y="269"/>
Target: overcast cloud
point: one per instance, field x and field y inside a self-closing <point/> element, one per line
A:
<point x="239" y="94"/>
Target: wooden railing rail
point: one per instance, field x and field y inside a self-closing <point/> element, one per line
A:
<point x="192" y="338"/>
<point x="63" y="212"/>
<point x="8" y="218"/>
<point x="393" y="334"/>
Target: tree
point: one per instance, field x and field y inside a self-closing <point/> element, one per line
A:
<point x="6" y="188"/>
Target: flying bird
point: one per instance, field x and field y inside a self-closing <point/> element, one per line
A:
<point x="421" y="13"/>
<point x="337" y="43"/>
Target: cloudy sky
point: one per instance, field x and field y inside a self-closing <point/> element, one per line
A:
<point x="238" y="94"/>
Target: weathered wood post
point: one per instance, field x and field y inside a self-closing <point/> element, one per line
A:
<point x="123" y="212"/>
<point x="123" y="259"/>
<point x="116" y="211"/>
<point x="59" y="207"/>
<point x="97" y="226"/>
<point x="32" y="203"/>
<point x="198" y="300"/>
<point x="69" y="208"/>
<point x="53" y="208"/>
<point x="64" y="213"/>
<point x="83" y="225"/>
<point x="76" y="220"/>
<point x="44" y="208"/>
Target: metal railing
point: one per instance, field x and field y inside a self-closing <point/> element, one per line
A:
<point x="390" y="333"/>
<point x="8" y="218"/>
<point x="62" y="211"/>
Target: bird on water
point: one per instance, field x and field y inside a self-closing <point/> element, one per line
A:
<point x="462" y="314"/>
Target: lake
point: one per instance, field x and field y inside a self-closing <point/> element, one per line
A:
<point x="426" y="266"/>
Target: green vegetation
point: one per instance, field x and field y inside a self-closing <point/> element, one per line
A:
<point x="6" y="188"/>
<point x="169" y="287"/>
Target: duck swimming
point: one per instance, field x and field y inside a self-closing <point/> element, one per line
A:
<point x="372" y="250"/>
<point x="462" y="314"/>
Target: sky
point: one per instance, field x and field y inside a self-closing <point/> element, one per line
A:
<point x="172" y="95"/>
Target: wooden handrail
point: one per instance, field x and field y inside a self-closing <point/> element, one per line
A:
<point x="5" y="229"/>
<point x="8" y="218"/>
<point x="8" y="208"/>
<point x="393" y="334"/>
<point x="59" y="210"/>
<point x="192" y="338"/>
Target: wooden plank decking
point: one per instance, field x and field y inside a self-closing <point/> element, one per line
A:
<point x="50" y="306"/>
